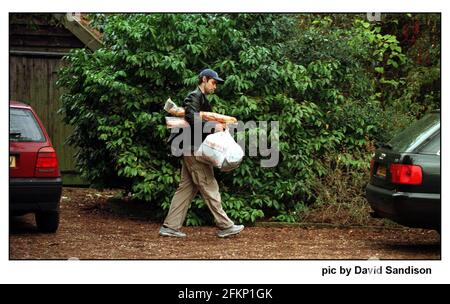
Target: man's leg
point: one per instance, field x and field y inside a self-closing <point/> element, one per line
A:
<point x="181" y="199"/>
<point x="203" y="176"/>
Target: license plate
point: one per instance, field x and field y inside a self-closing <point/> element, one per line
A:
<point x="381" y="171"/>
<point x="12" y="161"/>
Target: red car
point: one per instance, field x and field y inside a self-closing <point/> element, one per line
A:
<point x="34" y="178"/>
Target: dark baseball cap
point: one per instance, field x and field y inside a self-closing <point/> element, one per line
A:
<point x="212" y="74"/>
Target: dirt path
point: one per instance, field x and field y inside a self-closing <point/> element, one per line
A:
<point x="88" y="231"/>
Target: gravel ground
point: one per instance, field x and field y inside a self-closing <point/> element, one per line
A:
<point x="90" y="230"/>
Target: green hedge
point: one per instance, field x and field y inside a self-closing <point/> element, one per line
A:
<point x="274" y="70"/>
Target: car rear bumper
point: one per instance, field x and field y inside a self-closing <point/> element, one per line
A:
<point x="34" y="194"/>
<point x="422" y="210"/>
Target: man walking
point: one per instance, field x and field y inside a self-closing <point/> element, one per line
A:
<point x="197" y="176"/>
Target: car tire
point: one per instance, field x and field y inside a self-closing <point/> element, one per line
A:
<point x="47" y="222"/>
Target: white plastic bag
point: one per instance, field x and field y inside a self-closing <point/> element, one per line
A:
<point x="221" y="151"/>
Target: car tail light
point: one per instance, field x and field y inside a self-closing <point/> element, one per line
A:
<point x="47" y="163"/>
<point x="406" y="174"/>
<point x="372" y="164"/>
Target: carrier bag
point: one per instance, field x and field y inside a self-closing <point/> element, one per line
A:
<point x="221" y="151"/>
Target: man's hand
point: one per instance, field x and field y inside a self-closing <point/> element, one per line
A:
<point x="220" y="127"/>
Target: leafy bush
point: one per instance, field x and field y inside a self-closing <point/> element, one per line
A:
<point x="340" y="195"/>
<point x="317" y="81"/>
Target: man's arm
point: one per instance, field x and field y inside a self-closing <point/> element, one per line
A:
<point x="191" y="106"/>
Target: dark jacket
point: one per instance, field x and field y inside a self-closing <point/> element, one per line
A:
<point x="194" y="102"/>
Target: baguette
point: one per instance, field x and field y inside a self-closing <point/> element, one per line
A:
<point x="177" y="111"/>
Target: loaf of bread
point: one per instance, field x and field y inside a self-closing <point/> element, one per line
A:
<point x="211" y="116"/>
<point x="177" y="111"/>
<point x="176" y="122"/>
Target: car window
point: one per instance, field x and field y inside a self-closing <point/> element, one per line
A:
<point x="23" y="126"/>
<point x="417" y="133"/>
<point x="432" y="146"/>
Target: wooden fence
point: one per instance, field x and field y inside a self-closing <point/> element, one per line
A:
<point x="33" y="81"/>
<point x="37" y="43"/>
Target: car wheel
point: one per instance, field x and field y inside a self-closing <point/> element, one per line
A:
<point x="47" y="222"/>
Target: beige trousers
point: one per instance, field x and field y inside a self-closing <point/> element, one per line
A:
<point x="196" y="176"/>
